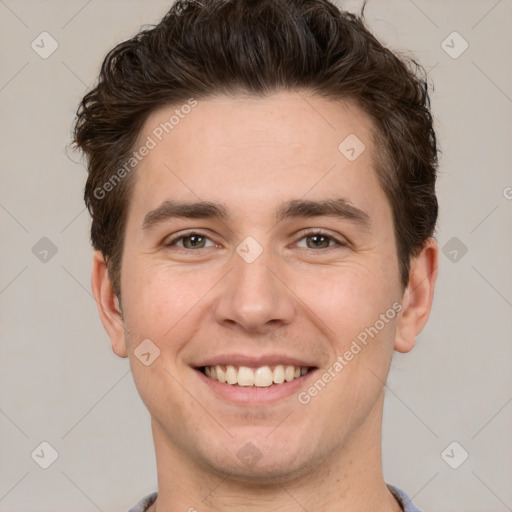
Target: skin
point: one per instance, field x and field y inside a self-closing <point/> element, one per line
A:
<point x="298" y="298"/>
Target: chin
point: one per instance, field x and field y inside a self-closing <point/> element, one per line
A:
<point x="262" y="473"/>
<point x="264" y="462"/>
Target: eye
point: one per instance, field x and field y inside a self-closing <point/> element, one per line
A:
<point x="190" y="241"/>
<point x="319" y="240"/>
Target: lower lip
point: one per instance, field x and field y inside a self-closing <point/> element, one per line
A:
<point x="249" y="395"/>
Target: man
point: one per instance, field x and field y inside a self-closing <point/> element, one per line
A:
<point x="262" y="190"/>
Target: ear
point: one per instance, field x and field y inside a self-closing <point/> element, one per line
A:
<point x="108" y="305"/>
<point x="418" y="296"/>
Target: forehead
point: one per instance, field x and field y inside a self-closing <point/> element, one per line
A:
<point x="247" y="151"/>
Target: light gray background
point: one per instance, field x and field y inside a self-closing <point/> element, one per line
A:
<point x="60" y="382"/>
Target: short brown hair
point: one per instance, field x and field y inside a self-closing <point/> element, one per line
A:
<point x="207" y="47"/>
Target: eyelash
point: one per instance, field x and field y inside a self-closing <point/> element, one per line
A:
<point x="316" y="232"/>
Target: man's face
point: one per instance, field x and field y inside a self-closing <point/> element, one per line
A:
<point x="281" y="278"/>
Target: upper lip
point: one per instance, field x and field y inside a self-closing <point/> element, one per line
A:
<point x="254" y="361"/>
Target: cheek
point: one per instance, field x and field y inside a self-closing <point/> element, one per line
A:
<point x="161" y="305"/>
<point x="347" y="299"/>
<point x="359" y="316"/>
<point x="160" y="388"/>
<point x="157" y="299"/>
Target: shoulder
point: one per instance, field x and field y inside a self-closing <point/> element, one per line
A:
<point x="144" y="503"/>
<point x="403" y="499"/>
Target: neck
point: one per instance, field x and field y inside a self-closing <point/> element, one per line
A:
<point x="349" y="479"/>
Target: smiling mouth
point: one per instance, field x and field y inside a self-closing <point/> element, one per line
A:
<point x="261" y="377"/>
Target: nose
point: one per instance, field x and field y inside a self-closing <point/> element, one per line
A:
<point x="254" y="296"/>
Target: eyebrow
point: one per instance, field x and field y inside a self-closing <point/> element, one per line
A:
<point x="175" y="209"/>
<point x="296" y="208"/>
<point x="341" y="208"/>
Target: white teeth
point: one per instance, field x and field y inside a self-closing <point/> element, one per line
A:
<point x="221" y="374"/>
<point x="231" y="375"/>
<point x="278" y="375"/>
<point x="289" y="373"/>
<point x="246" y="376"/>
<point x="261" y="377"/>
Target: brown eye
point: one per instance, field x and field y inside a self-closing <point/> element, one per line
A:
<point x="190" y="241"/>
<point x="193" y="241"/>
<point x="318" y="241"/>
